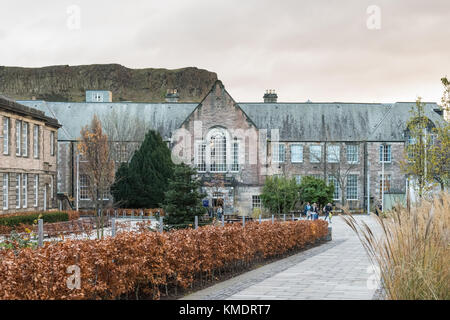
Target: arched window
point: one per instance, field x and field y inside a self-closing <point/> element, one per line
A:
<point x="218" y="151"/>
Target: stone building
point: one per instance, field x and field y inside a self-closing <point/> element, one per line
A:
<point x="28" y="153"/>
<point x="236" y="145"/>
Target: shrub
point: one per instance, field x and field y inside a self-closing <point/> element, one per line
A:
<point x="143" y="264"/>
<point x="29" y="218"/>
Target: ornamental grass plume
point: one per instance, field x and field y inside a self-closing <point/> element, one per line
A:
<point x="411" y="249"/>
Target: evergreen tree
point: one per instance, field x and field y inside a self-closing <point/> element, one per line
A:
<point x="279" y="194"/>
<point x="316" y="190"/>
<point x="142" y="183"/>
<point x="183" y="201"/>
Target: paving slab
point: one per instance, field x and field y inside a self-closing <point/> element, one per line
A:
<point x="338" y="269"/>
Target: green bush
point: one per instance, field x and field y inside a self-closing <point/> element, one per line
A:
<point x="48" y="217"/>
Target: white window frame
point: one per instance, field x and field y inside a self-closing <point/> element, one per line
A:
<point x="235" y="167"/>
<point x="348" y="186"/>
<point x="256" y="201"/>
<point x="352" y="154"/>
<point x="313" y="158"/>
<point x="25" y="134"/>
<point x="201" y="156"/>
<point x="6" y="125"/>
<point x="385" y="153"/>
<point x="24" y="190"/>
<point x="36" y="146"/>
<point x="278" y="152"/>
<point x="218" y="152"/>
<point x="18" y="138"/>
<point x="36" y="190"/>
<point x="333" y="153"/>
<point x="84" y="187"/>
<point x="18" y="190"/>
<point x="387" y="182"/>
<point x="337" y="187"/>
<point x="52" y="143"/>
<point x="298" y="179"/>
<point x="296" y="157"/>
<point x="5" y="188"/>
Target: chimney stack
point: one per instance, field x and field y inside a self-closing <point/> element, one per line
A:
<point x="172" y="95"/>
<point x="270" y="96"/>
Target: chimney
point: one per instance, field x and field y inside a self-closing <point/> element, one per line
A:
<point x="172" y="95"/>
<point x="270" y="96"/>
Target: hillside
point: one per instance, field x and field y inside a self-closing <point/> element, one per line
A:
<point x="69" y="83"/>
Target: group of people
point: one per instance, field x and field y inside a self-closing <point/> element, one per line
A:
<point x="312" y="211"/>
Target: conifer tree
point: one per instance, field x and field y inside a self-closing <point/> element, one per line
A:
<point x="183" y="201"/>
<point x="142" y="183"/>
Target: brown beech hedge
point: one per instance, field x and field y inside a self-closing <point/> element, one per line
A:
<point x="148" y="264"/>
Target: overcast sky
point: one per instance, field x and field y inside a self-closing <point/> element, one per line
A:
<point x="322" y="50"/>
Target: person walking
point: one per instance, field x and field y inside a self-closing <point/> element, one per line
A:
<point x="307" y="210"/>
<point x="315" y="211"/>
<point x="219" y="213"/>
<point x="327" y="210"/>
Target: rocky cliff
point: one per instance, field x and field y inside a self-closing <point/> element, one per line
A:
<point x="69" y="83"/>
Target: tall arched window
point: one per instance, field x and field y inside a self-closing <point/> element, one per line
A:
<point x="218" y="151"/>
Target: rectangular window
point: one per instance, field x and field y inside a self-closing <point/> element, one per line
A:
<point x="333" y="153"/>
<point x="18" y="190"/>
<point x="256" y="202"/>
<point x="298" y="179"/>
<point x="18" y="137"/>
<point x="84" y="187"/>
<point x="385" y="153"/>
<point x="36" y="190"/>
<point x="5" y="136"/>
<point x="25" y="134"/>
<point x="278" y="153"/>
<point x="235" y="154"/>
<point x="352" y="153"/>
<point x="51" y="188"/>
<point x="201" y="157"/>
<point x="52" y="143"/>
<point x="36" y="141"/>
<point x="24" y="190"/>
<point x="296" y="153"/>
<point x="387" y="183"/>
<point x="315" y="154"/>
<point x="317" y="176"/>
<point x="352" y="187"/>
<point x="337" y="187"/>
<point x="5" y="191"/>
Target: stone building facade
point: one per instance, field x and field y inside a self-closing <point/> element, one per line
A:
<point x="236" y="145"/>
<point x="28" y="153"/>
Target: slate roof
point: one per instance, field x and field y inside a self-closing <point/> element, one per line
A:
<point x="335" y="121"/>
<point x="17" y="108"/>
<point x="163" y="117"/>
<point x="296" y="121"/>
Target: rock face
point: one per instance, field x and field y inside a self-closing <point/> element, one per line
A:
<point x="69" y="83"/>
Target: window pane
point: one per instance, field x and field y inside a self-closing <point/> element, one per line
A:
<point x="296" y="153"/>
<point x="352" y="187"/>
<point x="352" y="153"/>
<point x="337" y="187"/>
<point x="333" y="154"/>
<point x="315" y="154"/>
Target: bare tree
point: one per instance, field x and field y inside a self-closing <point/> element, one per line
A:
<point x="339" y="167"/>
<point x="125" y="132"/>
<point x="97" y="165"/>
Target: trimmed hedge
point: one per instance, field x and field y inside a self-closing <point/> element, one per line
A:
<point x="144" y="265"/>
<point x="48" y="217"/>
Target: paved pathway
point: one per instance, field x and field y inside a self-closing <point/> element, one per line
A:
<point x="335" y="270"/>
